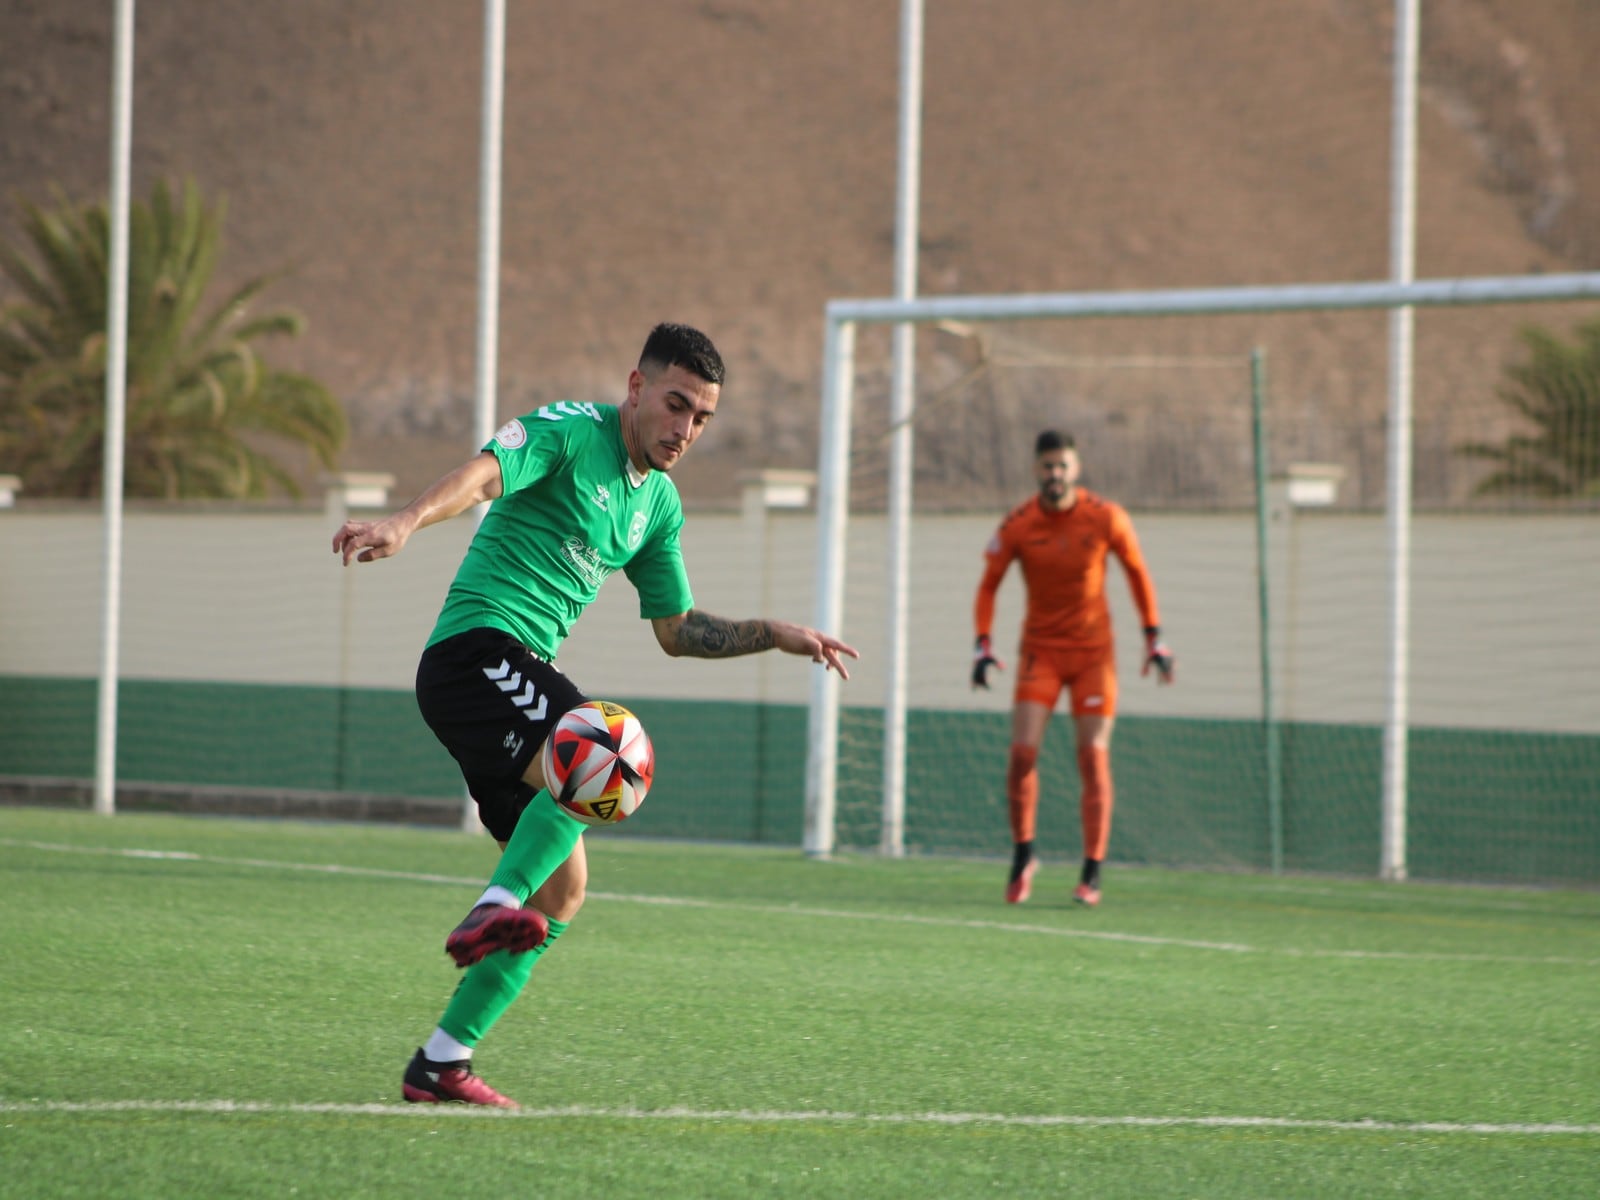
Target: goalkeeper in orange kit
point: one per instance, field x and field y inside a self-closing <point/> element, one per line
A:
<point x="1062" y="538"/>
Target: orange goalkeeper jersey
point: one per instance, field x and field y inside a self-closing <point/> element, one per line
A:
<point x="1063" y="557"/>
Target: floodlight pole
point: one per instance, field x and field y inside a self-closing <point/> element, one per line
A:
<point x="488" y="349"/>
<point x="1402" y="270"/>
<point x="105" y="767"/>
<point x="902" y="406"/>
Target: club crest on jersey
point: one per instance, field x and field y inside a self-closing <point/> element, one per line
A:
<point x="511" y="435"/>
<point x="636" y="531"/>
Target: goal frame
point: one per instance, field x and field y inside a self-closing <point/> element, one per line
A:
<point x="841" y="319"/>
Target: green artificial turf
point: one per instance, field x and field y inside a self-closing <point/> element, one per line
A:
<point x="204" y="1007"/>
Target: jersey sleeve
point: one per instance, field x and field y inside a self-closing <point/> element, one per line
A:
<point x="529" y="448"/>
<point x="658" y="574"/>
<point x="1124" y="544"/>
<point x="997" y="556"/>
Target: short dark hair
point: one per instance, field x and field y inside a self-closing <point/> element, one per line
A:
<point x="672" y="345"/>
<point x="1053" y="439"/>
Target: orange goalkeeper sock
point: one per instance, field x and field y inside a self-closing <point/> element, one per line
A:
<point x="1022" y="790"/>
<point x="1094" y="768"/>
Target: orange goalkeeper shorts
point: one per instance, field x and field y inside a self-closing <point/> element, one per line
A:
<point x="1090" y="675"/>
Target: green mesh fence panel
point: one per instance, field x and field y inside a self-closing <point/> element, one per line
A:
<point x="1489" y="805"/>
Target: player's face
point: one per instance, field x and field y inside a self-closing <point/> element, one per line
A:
<point x="1057" y="473"/>
<point x="669" y="409"/>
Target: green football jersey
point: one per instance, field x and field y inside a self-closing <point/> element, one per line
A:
<point x="572" y="511"/>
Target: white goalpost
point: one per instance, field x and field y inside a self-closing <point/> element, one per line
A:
<point x="842" y="319"/>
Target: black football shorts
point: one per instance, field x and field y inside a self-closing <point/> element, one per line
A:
<point x="492" y="702"/>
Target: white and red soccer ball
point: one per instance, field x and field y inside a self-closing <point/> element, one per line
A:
<point x="598" y="763"/>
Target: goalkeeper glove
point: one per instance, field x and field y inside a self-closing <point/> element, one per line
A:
<point x="1157" y="655"/>
<point x="982" y="660"/>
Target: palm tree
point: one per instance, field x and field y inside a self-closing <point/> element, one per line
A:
<point x="1558" y="390"/>
<point x="201" y="402"/>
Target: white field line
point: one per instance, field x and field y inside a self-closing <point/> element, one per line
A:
<point x="759" y="1116"/>
<point x="794" y="910"/>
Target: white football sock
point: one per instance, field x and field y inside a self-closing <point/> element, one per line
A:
<point x="498" y="895"/>
<point x="442" y="1048"/>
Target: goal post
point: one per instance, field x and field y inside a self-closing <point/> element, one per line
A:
<point x="843" y="318"/>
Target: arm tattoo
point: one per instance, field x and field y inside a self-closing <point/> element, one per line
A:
<point x="702" y="635"/>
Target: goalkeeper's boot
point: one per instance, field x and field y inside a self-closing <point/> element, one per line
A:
<point x="429" y="1082"/>
<point x="1023" y="865"/>
<point x="491" y="927"/>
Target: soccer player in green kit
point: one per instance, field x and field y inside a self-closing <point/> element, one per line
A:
<point x="578" y="492"/>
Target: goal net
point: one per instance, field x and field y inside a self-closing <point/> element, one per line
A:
<point x="1253" y="455"/>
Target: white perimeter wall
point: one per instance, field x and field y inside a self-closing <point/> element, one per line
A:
<point x="1504" y="626"/>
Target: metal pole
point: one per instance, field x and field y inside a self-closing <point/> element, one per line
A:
<point x="1402" y="263"/>
<point x="1269" y="706"/>
<point x="833" y="507"/>
<point x="902" y="406"/>
<point x="491" y="138"/>
<point x="488" y="350"/>
<point x="1296" y="297"/>
<point x="105" y="771"/>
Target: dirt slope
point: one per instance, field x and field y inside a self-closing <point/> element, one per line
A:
<point x="732" y="163"/>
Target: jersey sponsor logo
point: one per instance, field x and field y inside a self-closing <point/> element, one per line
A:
<point x="636" y="531"/>
<point x="511" y="435"/>
<point x="602" y="496"/>
<point x="586" y="559"/>
<point x="567" y="408"/>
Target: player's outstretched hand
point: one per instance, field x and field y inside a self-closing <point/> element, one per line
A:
<point x="1159" y="656"/>
<point x="982" y="660"/>
<point x="372" y="539"/>
<point x="813" y="644"/>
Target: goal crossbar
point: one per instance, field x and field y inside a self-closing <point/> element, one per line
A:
<point x="841" y="318"/>
<point x="1494" y="289"/>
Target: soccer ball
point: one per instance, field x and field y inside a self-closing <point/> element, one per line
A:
<point x="598" y="763"/>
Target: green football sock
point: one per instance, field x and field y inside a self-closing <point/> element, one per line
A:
<point x="543" y="839"/>
<point x="488" y="988"/>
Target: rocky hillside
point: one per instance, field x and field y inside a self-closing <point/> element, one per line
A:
<point x="732" y="163"/>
